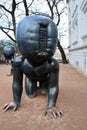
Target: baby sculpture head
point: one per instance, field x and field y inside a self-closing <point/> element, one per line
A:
<point x="37" y="38"/>
<point x="9" y="51"/>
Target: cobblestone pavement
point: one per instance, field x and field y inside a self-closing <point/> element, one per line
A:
<point x="72" y="101"/>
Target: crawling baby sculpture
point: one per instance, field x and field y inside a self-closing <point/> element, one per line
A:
<point x="37" y="40"/>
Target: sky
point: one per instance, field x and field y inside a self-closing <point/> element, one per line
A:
<point x="2" y="35"/>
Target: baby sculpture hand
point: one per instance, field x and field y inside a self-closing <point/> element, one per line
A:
<point x="12" y="105"/>
<point x="54" y="111"/>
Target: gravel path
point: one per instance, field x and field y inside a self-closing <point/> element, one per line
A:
<point x="72" y="101"/>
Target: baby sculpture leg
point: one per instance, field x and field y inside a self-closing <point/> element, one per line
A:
<point x="30" y="87"/>
<point x="44" y="86"/>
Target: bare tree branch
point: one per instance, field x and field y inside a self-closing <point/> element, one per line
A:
<point x="31" y="3"/>
<point x="8" y="35"/>
<point x="62" y="11"/>
<point x="26" y="7"/>
<point x="51" y="7"/>
<point x="1" y="27"/>
<point x="13" y="16"/>
<point x="58" y="15"/>
<point x="1" y="6"/>
<point x="40" y="13"/>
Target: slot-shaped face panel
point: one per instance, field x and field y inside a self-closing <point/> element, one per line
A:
<point x="42" y="37"/>
<point x="37" y="37"/>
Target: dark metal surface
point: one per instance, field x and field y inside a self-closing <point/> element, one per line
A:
<point x="37" y="41"/>
<point x="9" y="51"/>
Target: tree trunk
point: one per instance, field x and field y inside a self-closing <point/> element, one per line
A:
<point x="64" y="60"/>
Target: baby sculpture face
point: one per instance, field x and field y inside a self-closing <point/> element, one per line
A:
<point x="36" y="38"/>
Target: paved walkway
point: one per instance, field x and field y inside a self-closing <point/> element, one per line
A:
<point x="72" y="101"/>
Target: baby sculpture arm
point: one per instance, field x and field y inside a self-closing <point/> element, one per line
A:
<point x="16" y="87"/>
<point x="53" y="91"/>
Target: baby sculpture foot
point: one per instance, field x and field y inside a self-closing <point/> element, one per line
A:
<point x="12" y="105"/>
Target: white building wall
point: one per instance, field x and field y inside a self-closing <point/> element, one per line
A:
<point x="79" y="60"/>
<point x="78" y="34"/>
